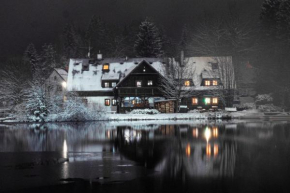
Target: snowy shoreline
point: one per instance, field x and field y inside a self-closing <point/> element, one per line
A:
<point x="250" y="114"/>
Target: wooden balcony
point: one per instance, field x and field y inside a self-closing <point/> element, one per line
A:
<point x="142" y="91"/>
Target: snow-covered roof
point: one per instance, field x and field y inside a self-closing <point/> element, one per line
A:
<point x="62" y="73"/>
<point x="87" y="74"/>
<point x="90" y="79"/>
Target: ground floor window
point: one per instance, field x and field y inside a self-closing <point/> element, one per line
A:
<point x="114" y="102"/>
<point x="194" y="101"/>
<point x="207" y="100"/>
<point x="215" y="100"/>
<point x="107" y="102"/>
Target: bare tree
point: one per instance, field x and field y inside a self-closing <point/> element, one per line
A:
<point x="178" y="81"/>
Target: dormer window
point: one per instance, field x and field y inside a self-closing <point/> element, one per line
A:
<point x="214" y="82"/>
<point x="106" y="67"/>
<point x="187" y="83"/>
<point x="106" y="84"/>
<point x="207" y="83"/>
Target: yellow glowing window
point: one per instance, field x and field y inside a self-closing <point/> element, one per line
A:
<point x="187" y="83"/>
<point x="207" y="83"/>
<point x="133" y="102"/>
<point x="214" y="82"/>
<point x="106" y="67"/>
<point x="215" y="100"/>
<point x="207" y="101"/>
<point x="107" y="102"/>
<point x="194" y="101"/>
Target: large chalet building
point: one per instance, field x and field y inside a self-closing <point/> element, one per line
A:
<point x="123" y="84"/>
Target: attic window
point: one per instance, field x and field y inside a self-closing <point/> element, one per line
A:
<point x="113" y="84"/>
<point x="75" y="64"/>
<point x="214" y="82"/>
<point x="139" y="83"/>
<point x="207" y="83"/>
<point x="214" y="66"/>
<point x="187" y="83"/>
<point x="106" y="84"/>
<point x="150" y="82"/>
<point x="106" y="67"/>
<point x="107" y="102"/>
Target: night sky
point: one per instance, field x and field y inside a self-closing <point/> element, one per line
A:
<point x="42" y="21"/>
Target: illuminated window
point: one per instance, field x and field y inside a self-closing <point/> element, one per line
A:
<point x="215" y="100"/>
<point x="207" y="100"/>
<point x="207" y="83"/>
<point x="150" y="83"/>
<point x="107" y="85"/>
<point x="106" y="67"/>
<point x="187" y="83"/>
<point x="114" y="102"/>
<point x="214" y="82"/>
<point x="138" y="83"/>
<point x="194" y="101"/>
<point x="133" y="102"/>
<point x="107" y="102"/>
<point x="114" y="84"/>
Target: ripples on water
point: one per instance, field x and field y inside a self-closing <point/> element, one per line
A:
<point x="189" y="156"/>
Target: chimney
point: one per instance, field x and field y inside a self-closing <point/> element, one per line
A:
<point x="182" y="58"/>
<point x="99" y="56"/>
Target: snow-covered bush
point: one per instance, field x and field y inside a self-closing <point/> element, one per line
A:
<point x="264" y="98"/>
<point x="246" y="106"/>
<point x="269" y="108"/>
<point x="145" y="111"/>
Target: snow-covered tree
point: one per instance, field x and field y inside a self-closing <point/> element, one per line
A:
<point x="14" y="77"/>
<point x="48" y="56"/>
<point x="148" y="42"/>
<point x="31" y="56"/>
<point x="36" y="102"/>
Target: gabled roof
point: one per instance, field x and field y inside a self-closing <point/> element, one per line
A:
<point x="62" y="73"/>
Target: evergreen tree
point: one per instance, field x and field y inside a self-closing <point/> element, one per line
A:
<point x="148" y="42"/>
<point x="96" y="35"/>
<point x="71" y="42"/>
<point x="48" y="56"/>
<point x="31" y="56"/>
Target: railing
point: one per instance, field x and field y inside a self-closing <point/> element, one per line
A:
<point x="139" y="91"/>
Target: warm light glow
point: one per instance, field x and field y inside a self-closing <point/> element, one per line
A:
<point x="194" y="101"/>
<point x="107" y="102"/>
<point x="187" y="83"/>
<point x="64" y="149"/>
<point x="133" y="102"/>
<point x="195" y="133"/>
<point x="215" y="100"/>
<point x="207" y="134"/>
<point x="207" y="101"/>
<point x="214" y="82"/>
<point x="108" y="134"/>
<point x="63" y="84"/>
<point x="215" y="150"/>
<point x="207" y="83"/>
<point x="106" y="67"/>
<point x="215" y="132"/>
<point x="208" y="150"/>
<point x="187" y="150"/>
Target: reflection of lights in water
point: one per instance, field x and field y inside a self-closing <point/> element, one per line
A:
<point x="138" y="136"/>
<point x="215" y="149"/>
<point x="195" y="133"/>
<point x="207" y="134"/>
<point x="215" y="132"/>
<point x="187" y="150"/>
<point x="208" y="150"/>
<point x="108" y="134"/>
<point x="64" y="149"/>
<point x="127" y="135"/>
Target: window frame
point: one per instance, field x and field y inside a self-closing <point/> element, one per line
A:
<point x="207" y="81"/>
<point x="104" y="65"/>
<point x="114" y="102"/>
<point x="149" y="81"/>
<point x="185" y="83"/>
<point x="109" y="102"/>
<point x="194" y="98"/>
<point x="217" y="100"/>
<point x="215" y="81"/>
<point x="106" y="83"/>
<point x="137" y="84"/>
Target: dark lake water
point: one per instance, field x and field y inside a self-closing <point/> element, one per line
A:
<point x="188" y="156"/>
